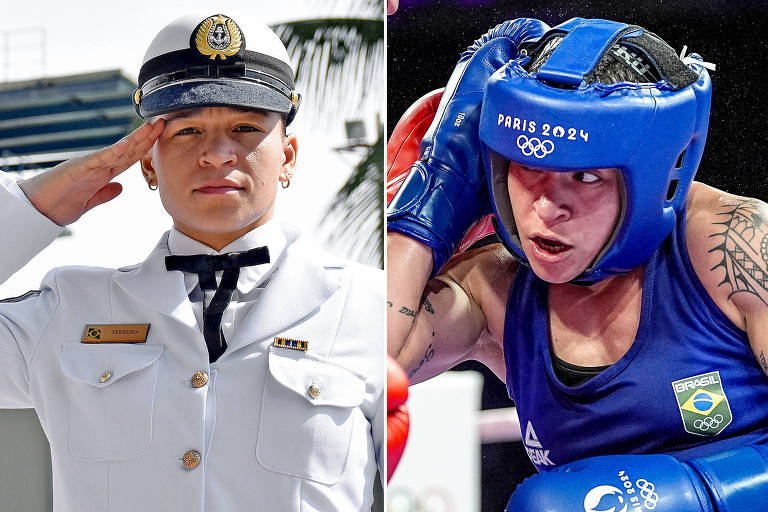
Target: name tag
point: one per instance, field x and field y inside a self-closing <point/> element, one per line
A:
<point x="115" y="333"/>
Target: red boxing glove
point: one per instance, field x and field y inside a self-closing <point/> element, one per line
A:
<point x="397" y="414"/>
<point x="404" y="148"/>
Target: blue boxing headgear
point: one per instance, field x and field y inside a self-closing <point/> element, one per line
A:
<point x="558" y="118"/>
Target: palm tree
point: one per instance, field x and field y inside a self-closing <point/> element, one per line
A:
<point x="340" y="62"/>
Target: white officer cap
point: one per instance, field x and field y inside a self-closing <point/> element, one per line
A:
<point x="207" y="61"/>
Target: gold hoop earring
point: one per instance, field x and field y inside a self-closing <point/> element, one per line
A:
<point x="151" y="187"/>
<point x="286" y="183"/>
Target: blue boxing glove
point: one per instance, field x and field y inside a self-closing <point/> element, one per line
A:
<point x="735" y="480"/>
<point x="445" y="191"/>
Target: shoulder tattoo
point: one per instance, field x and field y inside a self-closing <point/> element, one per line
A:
<point x="742" y="243"/>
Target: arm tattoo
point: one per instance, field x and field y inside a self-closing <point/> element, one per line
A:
<point x="428" y="306"/>
<point x="428" y="354"/>
<point x="743" y="243"/>
<point x="763" y="363"/>
<point x="404" y="310"/>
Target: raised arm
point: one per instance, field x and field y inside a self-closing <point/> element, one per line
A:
<point x="409" y="264"/>
<point x="428" y="333"/>
<point x="70" y="189"/>
<point x="36" y="209"/>
<point x="444" y="194"/>
<point x="459" y="316"/>
<point x="40" y="205"/>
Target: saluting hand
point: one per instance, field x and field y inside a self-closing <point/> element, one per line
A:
<point x="67" y="191"/>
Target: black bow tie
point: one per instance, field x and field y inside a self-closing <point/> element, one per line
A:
<point x="205" y="266"/>
<point x="199" y="263"/>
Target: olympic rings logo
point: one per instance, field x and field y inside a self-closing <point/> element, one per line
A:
<point x="647" y="491"/>
<point x="535" y="146"/>
<point x="709" y="423"/>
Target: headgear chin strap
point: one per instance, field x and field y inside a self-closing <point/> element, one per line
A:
<point x="559" y="119"/>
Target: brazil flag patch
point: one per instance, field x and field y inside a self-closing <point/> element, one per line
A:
<point x="703" y="404"/>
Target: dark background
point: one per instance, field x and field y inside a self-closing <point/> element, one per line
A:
<point x="426" y="37"/>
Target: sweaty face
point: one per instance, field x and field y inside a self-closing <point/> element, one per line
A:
<point x="564" y="219"/>
<point x="218" y="169"/>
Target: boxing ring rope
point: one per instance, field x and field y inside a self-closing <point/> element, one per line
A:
<point x="499" y="425"/>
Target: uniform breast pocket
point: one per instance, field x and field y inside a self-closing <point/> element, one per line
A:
<point x="308" y="416"/>
<point x="111" y="399"/>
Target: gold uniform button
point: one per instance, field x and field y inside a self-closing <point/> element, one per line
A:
<point x="199" y="379"/>
<point x="105" y="376"/>
<point x="314" y="391"/>
<point x="191" y="459"/>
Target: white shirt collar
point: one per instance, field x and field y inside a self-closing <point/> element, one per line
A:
<point x="268" y="234"/>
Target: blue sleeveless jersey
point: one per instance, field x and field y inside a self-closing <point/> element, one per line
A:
<point x="689" y="385"/>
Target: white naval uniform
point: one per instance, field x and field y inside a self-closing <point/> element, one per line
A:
<point x="265" y="442"/>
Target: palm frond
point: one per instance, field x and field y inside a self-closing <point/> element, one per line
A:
<point x="339" y="62"/>
<point x="358" y="209"/>
<point x="340" y="69"/>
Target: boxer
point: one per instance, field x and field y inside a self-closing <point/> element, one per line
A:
<point x="627" y="310"/>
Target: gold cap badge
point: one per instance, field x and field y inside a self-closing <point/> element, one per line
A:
<point x="217" y="36"/>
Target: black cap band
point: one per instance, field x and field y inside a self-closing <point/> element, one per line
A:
<point x="237" y="71"/>
<point x="181" y="60"/>
<point x="176" y="80"/>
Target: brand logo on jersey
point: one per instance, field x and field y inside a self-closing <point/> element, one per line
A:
<point x="703" y="404"/>
<point x="536" y="452"/>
